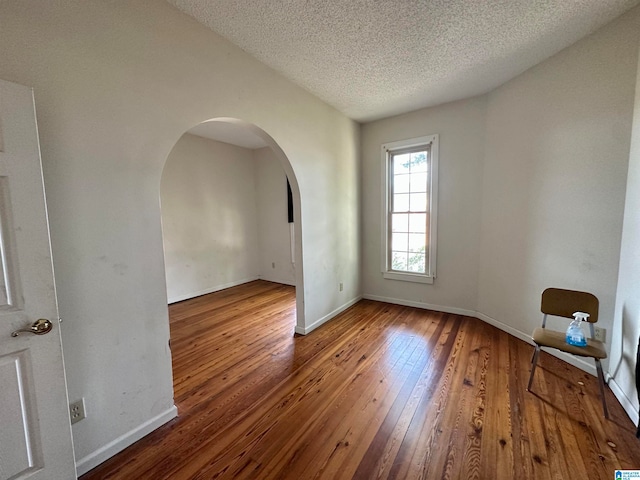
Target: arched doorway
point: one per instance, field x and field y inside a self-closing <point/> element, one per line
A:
<point x="218" y="217"/>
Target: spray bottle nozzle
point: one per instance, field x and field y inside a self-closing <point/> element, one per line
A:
<point x="581" y="316"/>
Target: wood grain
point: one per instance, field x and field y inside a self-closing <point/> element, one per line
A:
<point x="380" y="392"/>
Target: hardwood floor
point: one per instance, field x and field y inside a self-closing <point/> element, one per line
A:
<point x="381" y="391"/>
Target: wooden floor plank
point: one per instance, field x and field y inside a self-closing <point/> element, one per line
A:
<point x="380" y="392"/>
<point x="497" y="442"/>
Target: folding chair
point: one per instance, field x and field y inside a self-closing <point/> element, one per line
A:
<point x="564" y="303"/>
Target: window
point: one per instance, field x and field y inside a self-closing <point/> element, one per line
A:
<point x="410" y="173"/>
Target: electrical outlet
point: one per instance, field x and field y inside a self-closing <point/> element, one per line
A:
<point x="341" y="286"/>
<point x="273" y="264"/>
<point x="76" y="410"/>
<point x="600" y="334"/>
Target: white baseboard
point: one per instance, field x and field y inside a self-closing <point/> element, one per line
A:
<point x="626" y="403"/>
<point x="110" y="449"/>
<point x="282" y="281"/>
<point x="426" y="306"/>
<point x="309" y="328"/>
<point x="217" y="288"/>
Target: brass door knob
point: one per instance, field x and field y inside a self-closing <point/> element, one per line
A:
<point x="39" y="327"/>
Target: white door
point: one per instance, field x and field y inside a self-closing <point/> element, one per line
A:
<point x="35" y="430"/>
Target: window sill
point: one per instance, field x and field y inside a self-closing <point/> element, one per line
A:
<point x="408" y="277"/>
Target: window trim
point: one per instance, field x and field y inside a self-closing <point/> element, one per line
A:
<point x="391" y="147"/>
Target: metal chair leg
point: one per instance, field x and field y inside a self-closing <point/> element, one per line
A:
<point x="533" y="355"/>
<point x="601" y="383"/>
<point x="533" y="366"/>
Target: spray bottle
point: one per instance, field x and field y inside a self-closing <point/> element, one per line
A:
<point x="575" y="335"/>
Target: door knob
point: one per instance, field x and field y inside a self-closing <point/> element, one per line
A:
<point x="39" y="327"/>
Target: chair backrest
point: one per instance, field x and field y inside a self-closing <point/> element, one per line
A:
<point x="563" y="303"/>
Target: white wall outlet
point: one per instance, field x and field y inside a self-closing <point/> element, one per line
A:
<point x="600" y="334"/>
<point x="76" y="410"/>
<point x="341" y="286"/>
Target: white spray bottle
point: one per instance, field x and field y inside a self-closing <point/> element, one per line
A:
<point x="575" y="335"/>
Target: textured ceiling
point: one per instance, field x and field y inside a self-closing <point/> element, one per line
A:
<point x="375" y="58"/>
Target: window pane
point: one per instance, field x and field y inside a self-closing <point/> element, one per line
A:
<point x="399" y="222"/>
<point x="417" y="222"/>
<point x="401" y="183"/>
<point x="399" y="261"/>
<point x="417" y="242"/>
<point x="416" y="263"/>
<point x="401" y="164"/>
<point x="401" y="202"/>
<point x="419" y="182"/>
<point x="418" y="202"/>
<point x="419" y="162"/>
<point x="399" y="241"/>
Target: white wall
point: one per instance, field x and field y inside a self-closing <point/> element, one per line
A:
<point x="626" y="330"/>
<point x="274" y="249"/>
<point x="116" y="85"/>
<point x="555" y="167"/>
<point x="209" y="217"/>
<point x="461" y="126"/>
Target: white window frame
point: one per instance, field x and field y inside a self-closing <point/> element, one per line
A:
<point x="391" y="147"/>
